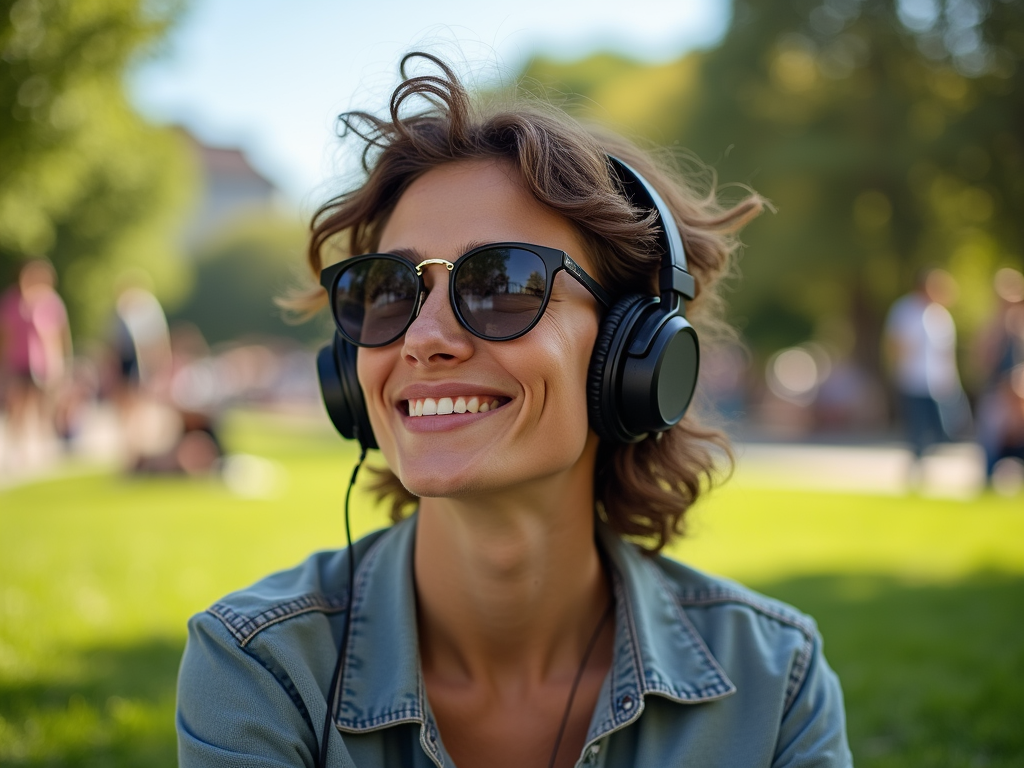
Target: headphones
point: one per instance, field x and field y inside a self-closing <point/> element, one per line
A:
<point x="643" y="369"/>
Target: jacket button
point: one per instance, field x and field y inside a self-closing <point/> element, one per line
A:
<point x="626" y="703"/>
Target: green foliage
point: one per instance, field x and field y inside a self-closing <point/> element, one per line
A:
<point x="919" y="600"/>
<point x="886" y="140"/>
<point x="638" y="100"/>
<point x="237" y="276"/>
<point x="84" y="180"/>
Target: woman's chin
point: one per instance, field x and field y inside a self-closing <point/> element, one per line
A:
<point x="438" y="485"/>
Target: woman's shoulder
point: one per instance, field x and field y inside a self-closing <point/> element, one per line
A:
<point x="719" y="599"/>
<point x="763" y="644"/>
<point x="713" y="604"/>
<point x="768" y="655"/>
<point x="319" y="584"/>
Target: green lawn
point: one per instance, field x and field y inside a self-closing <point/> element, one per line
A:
<point x="921" y="602"/>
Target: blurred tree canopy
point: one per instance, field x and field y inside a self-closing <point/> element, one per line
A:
<point x="84" y="181"/>
<point x="237" y="275"/>
<point x="888" y="134"/>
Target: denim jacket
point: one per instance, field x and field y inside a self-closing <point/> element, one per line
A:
<point x="705" y="673"/>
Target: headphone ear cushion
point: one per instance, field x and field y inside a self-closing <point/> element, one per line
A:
<point x="343" y="397"/>
<point x="601" y="407"/>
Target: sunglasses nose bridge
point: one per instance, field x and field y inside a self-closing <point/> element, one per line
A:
<point x="433" y="287"/>
<point x="435" y="327"/>
<point x="426" y="262"/>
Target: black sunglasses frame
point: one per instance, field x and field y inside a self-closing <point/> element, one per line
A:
<point x="554" y="262"/>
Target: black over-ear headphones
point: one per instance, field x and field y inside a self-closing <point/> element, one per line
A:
<point x="643" y="369"/>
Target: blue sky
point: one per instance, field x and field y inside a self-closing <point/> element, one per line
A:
<point x="270" y="76"/>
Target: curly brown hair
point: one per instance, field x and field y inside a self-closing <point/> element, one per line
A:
<point x="643" y="490"/>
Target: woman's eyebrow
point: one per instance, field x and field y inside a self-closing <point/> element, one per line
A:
<point x="415" y="256"/>
<point x="409" y="254"/>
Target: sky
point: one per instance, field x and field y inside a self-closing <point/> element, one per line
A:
<point x="270" y="76"/>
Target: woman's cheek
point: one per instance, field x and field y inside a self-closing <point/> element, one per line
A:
<point x="372" y="367"/>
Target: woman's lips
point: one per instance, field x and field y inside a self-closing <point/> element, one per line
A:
<point x="443" y="414"/>
<point x="443" y="406"/>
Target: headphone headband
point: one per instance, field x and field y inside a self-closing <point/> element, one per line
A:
<point x="675" y="282"/>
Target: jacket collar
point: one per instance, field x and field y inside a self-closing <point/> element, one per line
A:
<point x="657" y="650"/>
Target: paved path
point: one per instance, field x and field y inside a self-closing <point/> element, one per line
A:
<point x="951" y="471"/>
<point x="954" y="471"/>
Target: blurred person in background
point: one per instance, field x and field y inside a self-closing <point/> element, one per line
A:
<point x="920" y="349"/>
<point x="143" y="365"/>
<point x="35" y="356"/>
<point x="195" y="393"/>
<point x="999" y="357"/>
<point x="723" y="376"/>
<point x="483" y="278"/>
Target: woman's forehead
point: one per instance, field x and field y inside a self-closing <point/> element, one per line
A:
<point x="473" y="201"/>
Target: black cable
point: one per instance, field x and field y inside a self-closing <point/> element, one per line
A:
<point x="339" y="665"/>
<point x="576" y="682"/>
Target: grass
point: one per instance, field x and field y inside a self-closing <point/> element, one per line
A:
<point x="921" y="601"/>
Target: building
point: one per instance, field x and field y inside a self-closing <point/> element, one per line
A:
<point x="231" y="189"/>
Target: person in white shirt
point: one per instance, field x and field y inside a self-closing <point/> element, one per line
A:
<point x="920" y="345"/>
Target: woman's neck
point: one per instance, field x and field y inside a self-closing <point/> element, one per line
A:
<point x="509" y="588"/>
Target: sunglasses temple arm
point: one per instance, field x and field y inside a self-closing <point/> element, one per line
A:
<point x="586" y="280"/>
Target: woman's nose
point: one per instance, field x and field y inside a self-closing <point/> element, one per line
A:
<point x="435" y="335"/>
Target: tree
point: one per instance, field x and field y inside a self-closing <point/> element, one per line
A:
<point x="84" y="180"/>
<point x="887" y="134"/>
<point x="237" y="275"/>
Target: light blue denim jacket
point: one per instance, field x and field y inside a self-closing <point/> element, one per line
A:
<point x="705" y="673"/>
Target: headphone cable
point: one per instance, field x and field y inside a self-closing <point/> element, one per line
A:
<point x="339" y="665"/>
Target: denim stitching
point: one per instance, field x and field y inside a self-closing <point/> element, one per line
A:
<point x="719" y="688"/>
<point x="801" y="663"/>
<point x="426" y="744"/>
<point x="287" y="685"/>
<point x="245" y="628"/>
<point x="406" y="715"/>
<point x="618" y="722"/>
<point x="362" y="575"/>
<point x="712" y="596"/>
<point x="608" y="724"/>
<point x="796" y="675"/>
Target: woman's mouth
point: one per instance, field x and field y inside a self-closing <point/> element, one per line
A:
<point x="442" y="406"/>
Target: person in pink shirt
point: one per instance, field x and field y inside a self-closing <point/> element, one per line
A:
<point x="35" y="349"/>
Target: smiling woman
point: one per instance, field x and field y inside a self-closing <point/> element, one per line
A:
<point x="512" y="302"/>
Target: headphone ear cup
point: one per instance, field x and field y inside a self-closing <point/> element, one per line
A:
<point x="343" y="397"/>
<point x="658" y="375"/>
<point x="603" y="383"/>
<point x="643" y="370"/>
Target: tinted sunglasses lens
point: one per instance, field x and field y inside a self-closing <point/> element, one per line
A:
<point x="374" y="300"/>
<point x="500" y="291"/>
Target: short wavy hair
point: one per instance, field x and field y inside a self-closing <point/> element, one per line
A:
<point x="642" y="490"/>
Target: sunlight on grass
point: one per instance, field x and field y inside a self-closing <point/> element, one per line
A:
<point x="760" y="534"/>
<point x="98" y="574"/>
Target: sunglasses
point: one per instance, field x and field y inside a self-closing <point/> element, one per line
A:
<point x="498" y="292"/>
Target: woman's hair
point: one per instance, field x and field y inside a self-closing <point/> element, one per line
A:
<point x="643" y="490"/>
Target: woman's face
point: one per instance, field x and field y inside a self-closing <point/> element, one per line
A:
<point x="538" y="381"/>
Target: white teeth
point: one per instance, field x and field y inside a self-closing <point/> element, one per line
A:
<point x="428" y="406"/>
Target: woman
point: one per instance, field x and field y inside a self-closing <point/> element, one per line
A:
<point x="508" y="622"/>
